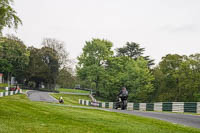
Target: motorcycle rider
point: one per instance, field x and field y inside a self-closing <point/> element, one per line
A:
<point x="123" y="96"/>
<point x="61" y="100"/>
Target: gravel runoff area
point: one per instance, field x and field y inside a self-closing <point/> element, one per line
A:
<point x="176" y="118"/>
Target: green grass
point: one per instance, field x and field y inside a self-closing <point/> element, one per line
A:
<point x="3" y="85"/>
<point x="19" y="115"/>
<point x="2" y="90"/>
<point x="73" y="90"/>
<point x="70" y="99"/>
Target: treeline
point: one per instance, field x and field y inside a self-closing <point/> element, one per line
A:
<point x="175" y="78"/>
<point x="36" y="68"/>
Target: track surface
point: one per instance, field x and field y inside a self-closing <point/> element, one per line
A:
<point x="176" y="118"/>
<point x="41" y="96"/>
<point x="183" y="119"/>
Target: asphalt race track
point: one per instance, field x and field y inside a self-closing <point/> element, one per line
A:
<point x="41" y="96"/>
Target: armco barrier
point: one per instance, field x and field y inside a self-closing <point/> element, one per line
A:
<point x="136" y="106"/>
<point x="167" y="106"/>
<point x="190" y="107"/>
<point x="193" y="107"/>
<point x="9" y="93"/>
<point x="149" y="107"/>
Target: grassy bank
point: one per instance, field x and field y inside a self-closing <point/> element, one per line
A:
<point x="19" y="115"/>
<point x="71" y="99"/>
<point x="3" y="85"/>
<point x="73" y="90"/>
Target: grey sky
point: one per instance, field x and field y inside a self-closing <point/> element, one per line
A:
<point x="161" y="26"/>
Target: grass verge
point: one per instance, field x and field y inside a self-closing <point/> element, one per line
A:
<point x="70" y="99"/>
<point x="19" y="115"/>
<point x="73" y="90"/>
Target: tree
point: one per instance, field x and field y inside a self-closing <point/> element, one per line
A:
<point x="58" y="46"/>
<point x="91" y="63"/>
<point x="14" y="57"/>
<point x="177" y="78"/>
<point x="133" y="50"/>
<point x="133" y="74"/>
<point x="43" y="67"/>
<point x="8" y="15"/>
<point x="65" y="78"/>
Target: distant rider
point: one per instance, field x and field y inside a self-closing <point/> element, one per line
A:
<point x="61" y="100"/>
<point x="123" y="96"/>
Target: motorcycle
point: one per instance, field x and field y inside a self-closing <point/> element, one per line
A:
<point x="121" y="103"/>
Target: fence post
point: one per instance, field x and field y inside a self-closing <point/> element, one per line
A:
<point x="1" y="94"/>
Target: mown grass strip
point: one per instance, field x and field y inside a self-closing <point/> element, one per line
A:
<point x="73" y="90"/>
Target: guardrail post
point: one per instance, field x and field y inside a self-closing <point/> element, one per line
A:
<point x="103" y="105"/>
<point x="158" y="106"/>
<point x="87" y="102"/>
<point x="1" y="94"/>
<point x="178" y="107"/>
<point x="79" y="101"/>
<point x="142" y="107"/>
<point x="111" y="105"/>
<point x="198" y="108"/>
<point x="130" y="106"/>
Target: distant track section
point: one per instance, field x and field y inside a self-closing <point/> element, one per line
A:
<point x="41" y="96"/>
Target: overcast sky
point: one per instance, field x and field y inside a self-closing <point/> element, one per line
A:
<point x="160" y="26"/>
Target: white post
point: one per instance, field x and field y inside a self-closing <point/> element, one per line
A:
<point x="130" y="106"/>
<point x="6" y="93"/>
<point x="103" y="105"/>
<point x="79" y="101"/>
<point x="198" y="108"/>
<point x="178" y="107"/>
<point x="142" y="106"/>
<point x="87" y="102"/>
<point x="11" y="92"/>
<point x="157" y="106"/>
<point x="1" y="94"/>
<point x="16" y="91"/>
<point x="111" y="105"/>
